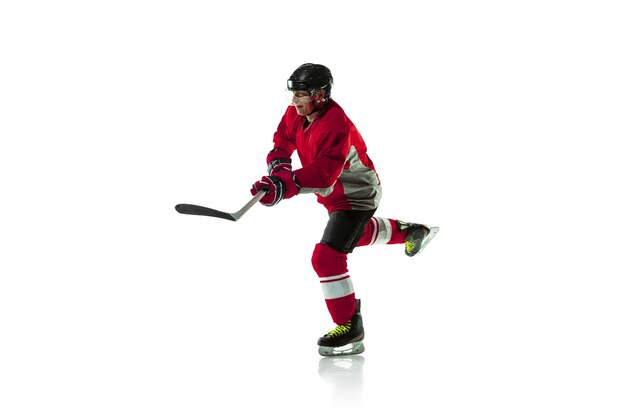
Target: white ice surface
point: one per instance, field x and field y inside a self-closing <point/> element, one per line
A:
<point x="500" y="122"/>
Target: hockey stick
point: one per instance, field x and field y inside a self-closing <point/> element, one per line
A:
<point x="205" y="211"/>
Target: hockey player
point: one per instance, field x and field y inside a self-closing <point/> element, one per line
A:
<point x="337" y="168"/>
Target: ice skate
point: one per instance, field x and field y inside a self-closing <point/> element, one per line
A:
<point x="417" y="237"/>
<point x="345" y="339"/>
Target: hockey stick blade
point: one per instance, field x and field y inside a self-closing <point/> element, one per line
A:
<point x="205" y="211"/>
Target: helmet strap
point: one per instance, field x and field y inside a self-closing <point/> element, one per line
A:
<point x="316" y="109"/>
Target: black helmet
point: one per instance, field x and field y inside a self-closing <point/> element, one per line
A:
<point x="311" y="78"/>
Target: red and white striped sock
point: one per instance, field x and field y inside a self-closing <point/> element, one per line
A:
<point x="381" y="231"/>
<point x="331" y="267"/>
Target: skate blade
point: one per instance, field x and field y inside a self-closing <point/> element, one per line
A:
<point x="431" y="234"/>
<point x="350" y="349"/>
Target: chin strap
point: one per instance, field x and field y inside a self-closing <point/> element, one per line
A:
<point x="315" y="110"/>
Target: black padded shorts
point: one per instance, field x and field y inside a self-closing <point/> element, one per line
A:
<point x="345" y="228"/>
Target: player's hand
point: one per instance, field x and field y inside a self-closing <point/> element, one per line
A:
<point x="277" y="187"/>
<point x="278" y="160"/>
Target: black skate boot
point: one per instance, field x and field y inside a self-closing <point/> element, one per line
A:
<point x="417" y="236"/>
<point x="345" y="339"/>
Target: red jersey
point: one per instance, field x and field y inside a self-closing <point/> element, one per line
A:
<point x="335" y="164"/>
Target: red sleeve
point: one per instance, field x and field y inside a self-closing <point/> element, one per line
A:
<point x="328" y="160"/>
<point x="285" y="136"/>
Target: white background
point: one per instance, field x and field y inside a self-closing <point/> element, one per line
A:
<point x="500" y="122"/>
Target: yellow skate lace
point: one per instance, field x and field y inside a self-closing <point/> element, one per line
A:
<point x="340" y="330"/>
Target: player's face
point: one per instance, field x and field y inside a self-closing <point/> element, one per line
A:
<point x="304" y="103"/>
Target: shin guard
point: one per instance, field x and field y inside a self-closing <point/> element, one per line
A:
<point x="331" y="267"/>
<point x="381" y="231"/>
